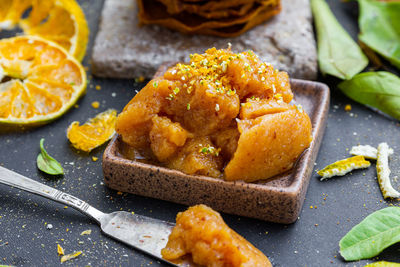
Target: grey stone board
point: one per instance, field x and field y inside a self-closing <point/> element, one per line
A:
<point x="123" y="49"/>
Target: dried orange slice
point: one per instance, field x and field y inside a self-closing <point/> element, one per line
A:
<point x="61" y="21"/>
<point x="94" y="132"/>
<point x="341" y="167"/>
<point x="39" y="81"/>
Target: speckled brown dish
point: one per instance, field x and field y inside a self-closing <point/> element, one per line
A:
<point x="278" y="199"/>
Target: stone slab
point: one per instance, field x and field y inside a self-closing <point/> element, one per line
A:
<point x="123" y="49"/>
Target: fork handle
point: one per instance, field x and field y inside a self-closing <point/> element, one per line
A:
<point x="14" y="179"/>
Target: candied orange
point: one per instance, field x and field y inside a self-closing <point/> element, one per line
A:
<point x="233" y="113"/>
<point x="202" y="233"/>
<point x="39" y="81"/>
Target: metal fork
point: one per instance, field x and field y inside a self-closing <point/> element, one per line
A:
<point x="143" y="233"/>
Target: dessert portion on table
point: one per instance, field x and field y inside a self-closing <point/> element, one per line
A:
<point x="201" y="233"/>
<point x="223" y="115"/>
<point x="221" y="18"/>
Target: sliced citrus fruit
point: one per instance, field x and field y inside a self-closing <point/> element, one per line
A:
<point x="95" y="132"/>
<point x="39" y="81"/>
<point x="61" y="21"/>
<point x="341" y="167"/>
<point x="383" y="171"/>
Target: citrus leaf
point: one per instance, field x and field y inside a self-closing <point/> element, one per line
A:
<point x="376" y="232"/>
<point x="379" y="23"/>
<point x="383" y="264"/>
<point x="380" y="90"/>
<point x="46" y="163"/>
<point x="338" y="54"/>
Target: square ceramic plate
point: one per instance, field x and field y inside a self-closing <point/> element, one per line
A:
<point x="278" y="199"/>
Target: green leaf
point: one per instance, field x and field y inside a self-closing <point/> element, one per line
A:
<point x="383" y="264"/>
<point x="338" y="54"/>
<point x="46" y="163"/>
<point x="379" y="23"/>
<point x="376" y="232"/>
<point x="380" y="90"/>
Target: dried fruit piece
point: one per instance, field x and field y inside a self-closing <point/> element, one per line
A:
<point x="70" y="256"/>
<point x="382" y="168"/>
<point x="95" y="132"/>
<point x="341" y="167"/>
<point x="41" y="81"/>
<point x="367" y="151"/>
<point x="61" y="21"/>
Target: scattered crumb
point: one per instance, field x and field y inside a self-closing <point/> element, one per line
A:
<point x="70" y="256"/>
<point x="347" y="107"/>
<point x="86" y="232"/>
<point x="60" y="250"/>
<point x="98" y="87"/>
<point x="140" y="79"/>
<point x="95" y="104"/>
<point x="95" y="158"/>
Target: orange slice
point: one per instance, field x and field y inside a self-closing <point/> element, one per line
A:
<point x="39" y="81"/>
<point x="61" y="21"/>
<point x="95" y="132"/>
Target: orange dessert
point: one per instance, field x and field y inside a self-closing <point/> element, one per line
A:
<point x="223" y="115"/>
<point x="202" y="233"/>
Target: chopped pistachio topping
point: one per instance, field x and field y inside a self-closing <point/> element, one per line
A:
<point x="299" y="108"/>
<point x="210" y="150"/>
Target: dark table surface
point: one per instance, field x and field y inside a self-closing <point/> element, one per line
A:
<point x="337" y="204"/>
